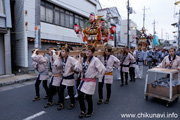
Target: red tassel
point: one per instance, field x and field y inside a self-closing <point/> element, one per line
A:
<point x="84" y="38"/>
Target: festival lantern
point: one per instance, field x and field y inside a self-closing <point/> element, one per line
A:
<point x="92" y="18"/>
<point x="152" y="37"/>
<point x="113" y="29"/>
<point x="76" y="28"/>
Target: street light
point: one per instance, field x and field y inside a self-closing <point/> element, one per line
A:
<point x="133" y="28"/>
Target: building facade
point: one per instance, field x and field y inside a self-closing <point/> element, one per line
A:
<point x="56" y="27"/>
<point x="5" y="41"/>
<point x="132" y="35"/>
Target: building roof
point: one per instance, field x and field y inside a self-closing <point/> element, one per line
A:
<point x="110" y="10"/>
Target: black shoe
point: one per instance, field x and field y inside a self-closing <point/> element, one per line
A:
<point x="57" y="103"/>
<point x="83" y="114"/>
<point x="131" y="80"/>
<point x="46" y="97"/>
<point x="107" y="101"/>
<point x="61" y="106"/>
<point x="48" y="105"/>
<point x="126" y="83"/>
<point x="89" y="114"/>
<point x="71" y="107"/>
<point x="100" y="101"/>
<point x="36" y="98"/>
<point x="122" y="85"/>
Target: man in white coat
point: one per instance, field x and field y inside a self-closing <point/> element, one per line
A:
<point x="109" y="61"/>
<point x="140" y="59"/>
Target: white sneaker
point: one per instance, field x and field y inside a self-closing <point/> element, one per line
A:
<point x="76" y="96"/>
<point x="135" y="77"/>
<point x="140" y="77"/>
<point x="118" y="78"/>
<point x="67" y="97"/>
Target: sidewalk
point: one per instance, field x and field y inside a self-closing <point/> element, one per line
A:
<point x="17" y="79"/>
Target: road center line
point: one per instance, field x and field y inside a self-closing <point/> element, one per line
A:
<point x="35" y="115"/>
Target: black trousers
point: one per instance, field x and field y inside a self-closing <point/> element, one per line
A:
<point x="52" y="91"/>
<point x="82" y="103"/>
<point x="132" y="73"/>
<point x="70" y="93"/>
<point x="155" y="62"/>
<point x="37" y="86"/>
<point x="122" y="77"/>
<point x="150" y="64"/>
<point x="100" y="90"/>
<point x="78" y="81"/>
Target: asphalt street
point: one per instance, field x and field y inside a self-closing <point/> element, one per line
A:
<point x="16" y="104"/>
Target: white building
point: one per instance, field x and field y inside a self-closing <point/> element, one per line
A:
<point x="5" y="38"/>
<point x="133" y="32"/>
<point x="57" y="25"/>
<point x="113" y="16"/>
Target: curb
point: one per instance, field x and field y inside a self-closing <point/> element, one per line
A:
<point x="17" y="81"/>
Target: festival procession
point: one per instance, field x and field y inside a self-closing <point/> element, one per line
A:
<point x="89" y="59"/>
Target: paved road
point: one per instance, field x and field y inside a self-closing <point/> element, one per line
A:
<point x="16" y="104"/>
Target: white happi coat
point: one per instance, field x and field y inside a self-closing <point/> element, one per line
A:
<point x="175" y="64"/>
<point x="56" y="69"/>
<point x="95" y="70"/>
<point x="40" y="64"/>
<point x="125" y="64"/>
<point x="111" y="62"/>
<point x="166" y="61"/>
<point x="132" y="64"/>
<point x="70" y="66"/>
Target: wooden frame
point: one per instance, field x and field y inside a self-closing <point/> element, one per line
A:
<point x="165" y="71"/>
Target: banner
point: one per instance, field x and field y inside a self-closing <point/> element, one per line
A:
<point x="36" y="37"/>
<point x="156" y="40"/>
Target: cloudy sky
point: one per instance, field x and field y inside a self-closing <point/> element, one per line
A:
<point x="162" y="11"/>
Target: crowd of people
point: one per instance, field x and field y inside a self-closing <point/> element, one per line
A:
<point x="81" y="72"/>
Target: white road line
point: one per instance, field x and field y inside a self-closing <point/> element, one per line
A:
<point x="35" y="115"/>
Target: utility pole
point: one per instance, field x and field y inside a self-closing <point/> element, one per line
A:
<point x="154" y="30"/>
<point x="166" y="35"/>
<point x="37" y="25"/>
<point x="128" y="24"/>
<point x="162" y="33"/>
<point x="154" y="26"/>
<point x="144" y="16"/>
<point x="178" y="31"/>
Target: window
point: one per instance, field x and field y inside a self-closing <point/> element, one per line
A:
<point x="49" y="13"/>
<point x="1" y="7"/>
<point x="43" y="13"/>
<point x="57" y="16"/>
<point x="76" y="19"/>
<point x="62" y="20"/>
<point x="71" y="20"/>
<point x="81" y="22"/>
<point x="67" y="22"/>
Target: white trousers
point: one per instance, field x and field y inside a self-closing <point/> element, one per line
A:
<point x="118" y="77"/>
<point x="139" y="71"/>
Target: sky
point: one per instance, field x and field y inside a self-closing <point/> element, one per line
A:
<point x="162" y="11"/>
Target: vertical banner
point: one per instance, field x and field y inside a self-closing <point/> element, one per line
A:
<point x="156" y="40"/>
<point x="36" y="37"/>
